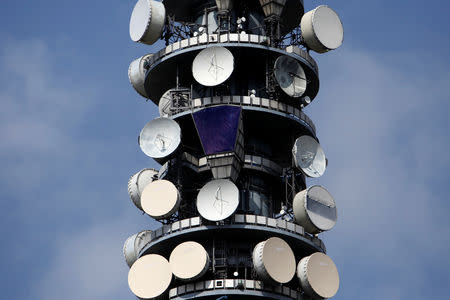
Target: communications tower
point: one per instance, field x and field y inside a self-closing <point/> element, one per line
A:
<point x="238" y="219"/>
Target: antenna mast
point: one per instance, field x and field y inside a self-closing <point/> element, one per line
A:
<point x="236" y="149"/>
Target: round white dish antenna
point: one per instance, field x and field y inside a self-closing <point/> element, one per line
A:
<point x="160" y="199"/>
<point x="147" y="21"/>
<point x="322" y="29"/>
<point x="136" y="74"/>
<point x="315" y="209"/>
<point x="318" y="276"/>
<point x="164" y="104"/>
<point x="160" y="137"/>
<point x="149" y="276"/>
<point x="213" y="65"/>
<point x="134" y="244"/>
<point x="189" y="261"/>
<point x="166" y="100"/>
<point x="274" y="260"/>
<point x="290" y="76"/>
<point x="138" y="182"/>
<point x="309" y="156"/>
<point x="218" y="200"/>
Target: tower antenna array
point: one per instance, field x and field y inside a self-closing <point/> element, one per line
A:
<point x="238" y="219"/>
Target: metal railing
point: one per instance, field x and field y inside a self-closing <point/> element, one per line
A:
<point x="255" y="102"/>
<point x="227" y="38"/>
<point x="246" y="219"/>
<point x="234" y="284"/>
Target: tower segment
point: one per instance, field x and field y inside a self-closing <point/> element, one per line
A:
<point x="238" y="219"/>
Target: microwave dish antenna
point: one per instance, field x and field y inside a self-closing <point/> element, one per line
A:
<point x="309" y="156"/>
<point x="189" y="261"/>
<point x="322" y="29"/>
<point x="150" y="276"/>
<point x="274" y="260"/>
<point x="160" y="137"/>
<point x="160" y="199"/>
<point x="290" y="76"/>
<point x="165" y="103"/>
<point x="315" y="209"/>
<point x="138" y="182"/>
<point x="147" y="21"/>
<point x="213" y="65"/>
<point x="134" y="244"/>
<point x="318" y="276"/>
<point x="174" y="97"/>
<point x="218" y="200"/>
<point x="136" y="74"/>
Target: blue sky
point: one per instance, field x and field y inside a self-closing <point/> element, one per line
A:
<point x="69" y="122"/>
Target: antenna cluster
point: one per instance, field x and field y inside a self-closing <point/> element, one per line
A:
<point x="236" y="150"/>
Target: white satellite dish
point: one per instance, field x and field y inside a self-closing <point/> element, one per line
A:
<point x="136" y="74"/>
<point x="274" y="260"/>
<point x="147" y="21"/>
<point x="218" y="200"/>
<point x="149" y="276"/>
<point x="134" y="244"/>
<point x="164" y="104"/>
<point x="166" y="100"/>
<point x="315" y="209"/>
<point x="322" y="29"/>
<point x="189" y="261"/>
<point x="318" y="276"/>
<point x="290" y="76"/>
<point x="160" y="199"/>
<point x="309" y="156"/>
<point x="213" y="65"/>
<point x="138" y="182"/>
<point x="160" y="137"/>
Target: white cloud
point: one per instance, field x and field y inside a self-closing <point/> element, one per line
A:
<point x="68" y="191"/>
<point x="38" y="113"/>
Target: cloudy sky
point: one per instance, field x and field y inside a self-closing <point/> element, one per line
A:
<point x="69" y="121"/>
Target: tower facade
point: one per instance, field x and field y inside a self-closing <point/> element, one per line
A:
<point x="238" y="219"/>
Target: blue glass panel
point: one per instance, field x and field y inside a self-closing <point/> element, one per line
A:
<point x="217" y="128"/>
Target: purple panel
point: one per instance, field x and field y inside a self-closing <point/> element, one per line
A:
<point x="217" y="128"/>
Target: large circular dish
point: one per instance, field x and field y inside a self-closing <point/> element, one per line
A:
<point x="138" y="182"/>
<point x="166" y="100"/>
<point x="274" y="260"/>
<point x="147" y="21"/>
<point x="165" y="103"/>
<point x="160" y="137"/>
<point x="213" y="65"/>
<point x="189" y="261"/>
<point x="134" y="244"/>
<point x="218" y="200"/>
<point x="149" y="276"/>
<point x="160" y="199"/>
<point x="318" y="276"/>
<point x="290" y="76"/>
<point x="315" y="209"/>
<point x="309" y="156"/>
<point x="322" y="29"/>
<point x="136" y="74"/>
